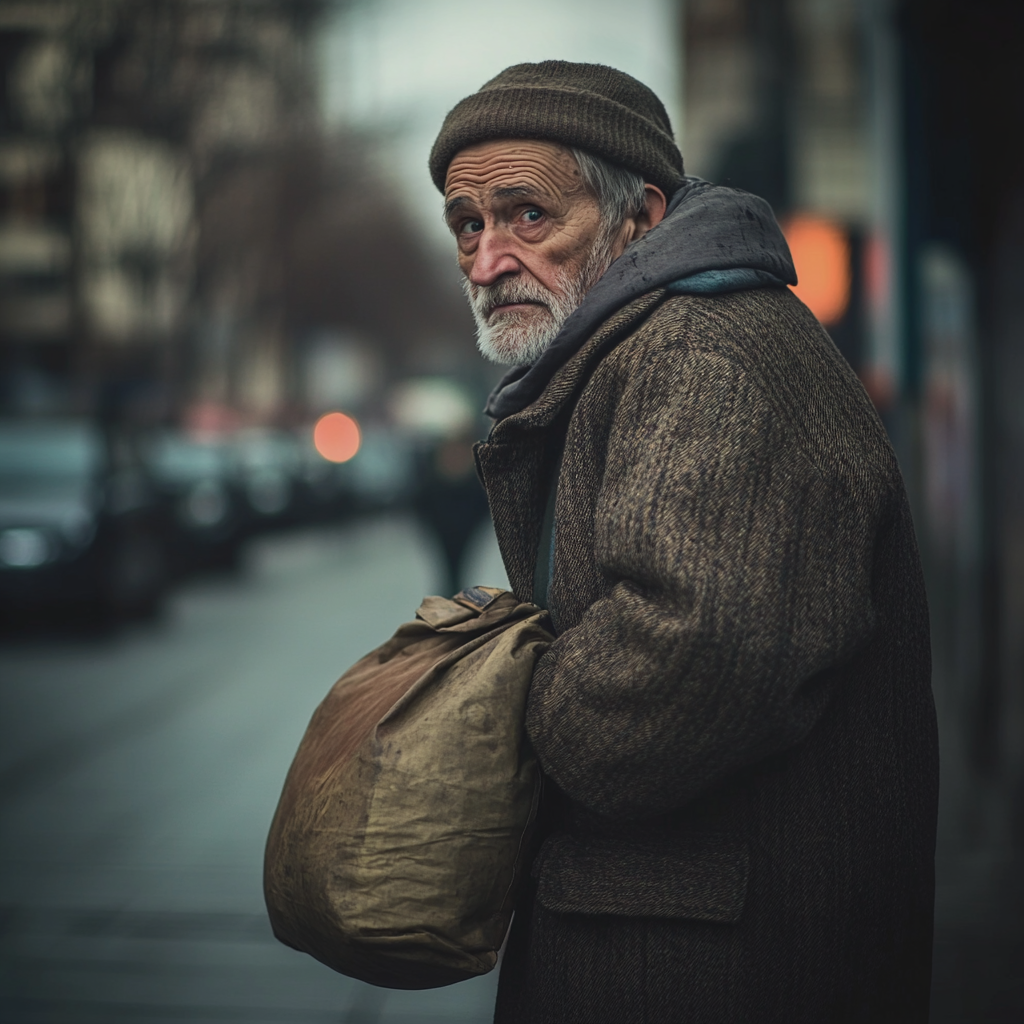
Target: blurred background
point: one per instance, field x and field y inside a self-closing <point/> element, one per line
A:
<point x="238" y="389"/>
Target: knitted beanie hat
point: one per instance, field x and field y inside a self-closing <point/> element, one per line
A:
<point x="586" y="106"/>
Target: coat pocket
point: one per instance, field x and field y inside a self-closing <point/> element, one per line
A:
<point x="701" y="877"/>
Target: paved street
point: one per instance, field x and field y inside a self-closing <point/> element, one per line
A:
<point x="138" y="775"/>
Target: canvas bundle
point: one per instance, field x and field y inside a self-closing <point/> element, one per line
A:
<point x="397" y="844"/>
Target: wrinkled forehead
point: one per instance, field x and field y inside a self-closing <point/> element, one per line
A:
<point x="510" y="166"/>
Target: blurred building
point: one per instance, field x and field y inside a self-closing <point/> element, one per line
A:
<point x="178" y="233"/>
<point x="117" y="119"/>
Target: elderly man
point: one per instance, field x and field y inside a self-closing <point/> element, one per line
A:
<point x="735" y="721"/>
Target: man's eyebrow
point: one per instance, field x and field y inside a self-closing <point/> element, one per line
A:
<point x="453" y="204"/>
<point x="519" y="192"/>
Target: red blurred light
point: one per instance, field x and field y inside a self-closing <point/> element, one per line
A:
<point x="336" y="437"/>
<point x="821" y="254"/>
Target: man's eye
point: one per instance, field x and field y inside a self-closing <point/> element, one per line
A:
<point x="532" y="216"/>
<point x="471" y="227"/>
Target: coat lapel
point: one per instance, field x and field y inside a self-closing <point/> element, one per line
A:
<point x="515" y="461"/>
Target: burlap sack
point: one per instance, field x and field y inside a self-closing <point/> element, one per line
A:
<point x="395" y="850"/>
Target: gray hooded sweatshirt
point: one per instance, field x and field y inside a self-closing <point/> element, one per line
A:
<point x="712" y="240"/>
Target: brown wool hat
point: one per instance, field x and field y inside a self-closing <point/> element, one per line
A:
<point x="586" y="106"/>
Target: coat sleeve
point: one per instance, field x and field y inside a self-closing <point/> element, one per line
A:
<point x="739" y="576"/>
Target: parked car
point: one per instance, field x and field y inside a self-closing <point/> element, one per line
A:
<point x="268" y="464"/>
<point x="81" y="526"/>
<point x="199" y="484"/>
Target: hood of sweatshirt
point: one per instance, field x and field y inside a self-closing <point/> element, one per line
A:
<point x="712" y="240"/>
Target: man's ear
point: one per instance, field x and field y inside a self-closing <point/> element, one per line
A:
<point x="653" y="212"/>
<point x="649" y="217"/>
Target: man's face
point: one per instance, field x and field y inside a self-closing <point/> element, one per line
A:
<point x="531" y="242"/>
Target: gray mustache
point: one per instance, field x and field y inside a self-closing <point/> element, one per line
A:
<point x="487" y="298"/>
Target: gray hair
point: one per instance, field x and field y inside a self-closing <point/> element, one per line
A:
<point x="620" y="193"/>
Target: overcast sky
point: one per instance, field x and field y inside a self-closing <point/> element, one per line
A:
<point x="403" y="64"/>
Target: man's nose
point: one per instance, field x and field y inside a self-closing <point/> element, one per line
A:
<point x="493" y="258"/>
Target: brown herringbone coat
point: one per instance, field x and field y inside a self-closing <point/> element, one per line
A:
<point x="736" y="718"/>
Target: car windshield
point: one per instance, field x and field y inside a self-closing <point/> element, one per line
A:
<point x="33" y="454"/>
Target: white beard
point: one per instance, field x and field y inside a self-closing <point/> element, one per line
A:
<point x="519" y="337"/>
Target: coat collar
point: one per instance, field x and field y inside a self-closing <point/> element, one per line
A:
<point x="568" y="380"/>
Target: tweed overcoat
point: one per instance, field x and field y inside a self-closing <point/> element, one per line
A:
<point x="735" y="722"/>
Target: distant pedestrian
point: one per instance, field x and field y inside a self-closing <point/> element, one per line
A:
<point x="450" y="502"/>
